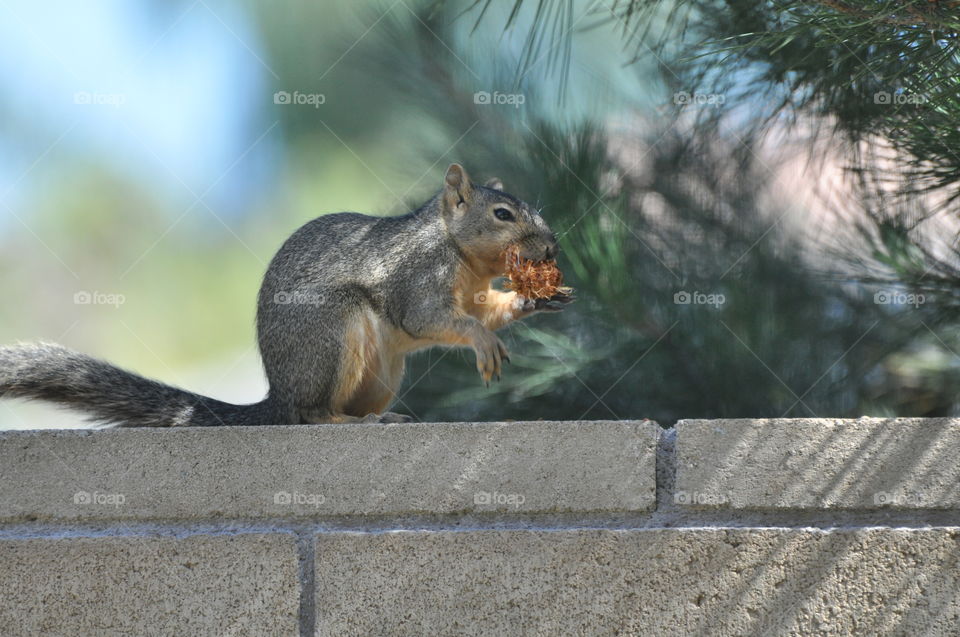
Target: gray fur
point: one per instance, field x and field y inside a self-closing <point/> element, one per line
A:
<point x="334" y="269"/>
<point x="111" y="395"/>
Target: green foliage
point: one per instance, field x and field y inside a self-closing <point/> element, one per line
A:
<point x="883" y="71"/>
<point x="688" y="218"/>
<point x="875" y="82"/>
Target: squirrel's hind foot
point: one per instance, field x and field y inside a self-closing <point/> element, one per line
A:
<point x="387" y="417"/>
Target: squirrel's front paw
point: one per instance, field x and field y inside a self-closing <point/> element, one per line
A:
<point x="491" y="352"/>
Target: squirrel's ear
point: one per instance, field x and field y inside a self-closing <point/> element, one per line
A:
<point x="456" y="186"/>
<point x="494" y="183"/>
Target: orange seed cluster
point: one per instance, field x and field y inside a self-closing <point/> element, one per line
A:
<point x="533" y="279"/>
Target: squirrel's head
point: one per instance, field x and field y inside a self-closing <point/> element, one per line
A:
<point x="485" y="221"/>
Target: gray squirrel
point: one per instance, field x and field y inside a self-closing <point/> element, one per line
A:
<point x="345" y="299"/>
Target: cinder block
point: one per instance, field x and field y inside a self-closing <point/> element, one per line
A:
<point x="198" y="585"/>
<point x="326" y="470"/>
<point x="815" y="463"/>
<point x="714" y="582"/>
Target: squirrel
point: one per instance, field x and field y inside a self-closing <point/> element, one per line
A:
<point x="342" y="303"/>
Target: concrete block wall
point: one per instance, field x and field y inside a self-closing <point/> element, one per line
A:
<point x="719" y="527"/>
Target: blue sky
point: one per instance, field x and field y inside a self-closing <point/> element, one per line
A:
<point x="176" y="94"/>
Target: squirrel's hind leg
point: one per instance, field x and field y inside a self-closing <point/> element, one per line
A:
<point x="381" y="380"/>
<point x="371" y="370"/>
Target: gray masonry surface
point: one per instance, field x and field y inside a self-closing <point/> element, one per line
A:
<point x="198" y="585"/>
<point x="724" y="527"/>
<point x="639" y="582"/>
<point x="328" y="470"/>
<point x="819" y="463"/>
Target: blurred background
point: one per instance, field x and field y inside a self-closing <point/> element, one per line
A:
<point x="756" y="202"/>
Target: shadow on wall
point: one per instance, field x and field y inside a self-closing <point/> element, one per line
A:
<point x="808" y="464"/>
<point x="659" y="581"/>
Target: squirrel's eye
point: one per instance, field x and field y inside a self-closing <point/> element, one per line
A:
<point x="503" y="214"/>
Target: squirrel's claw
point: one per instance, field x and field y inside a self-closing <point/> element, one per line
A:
<point x="555" y="303"/>
<point x="490" y="352"/>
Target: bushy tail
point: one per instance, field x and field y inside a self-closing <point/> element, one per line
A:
<point x="115" y="396"/>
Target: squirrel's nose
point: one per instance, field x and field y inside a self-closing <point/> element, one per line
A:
<point x="552" y="249"/>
